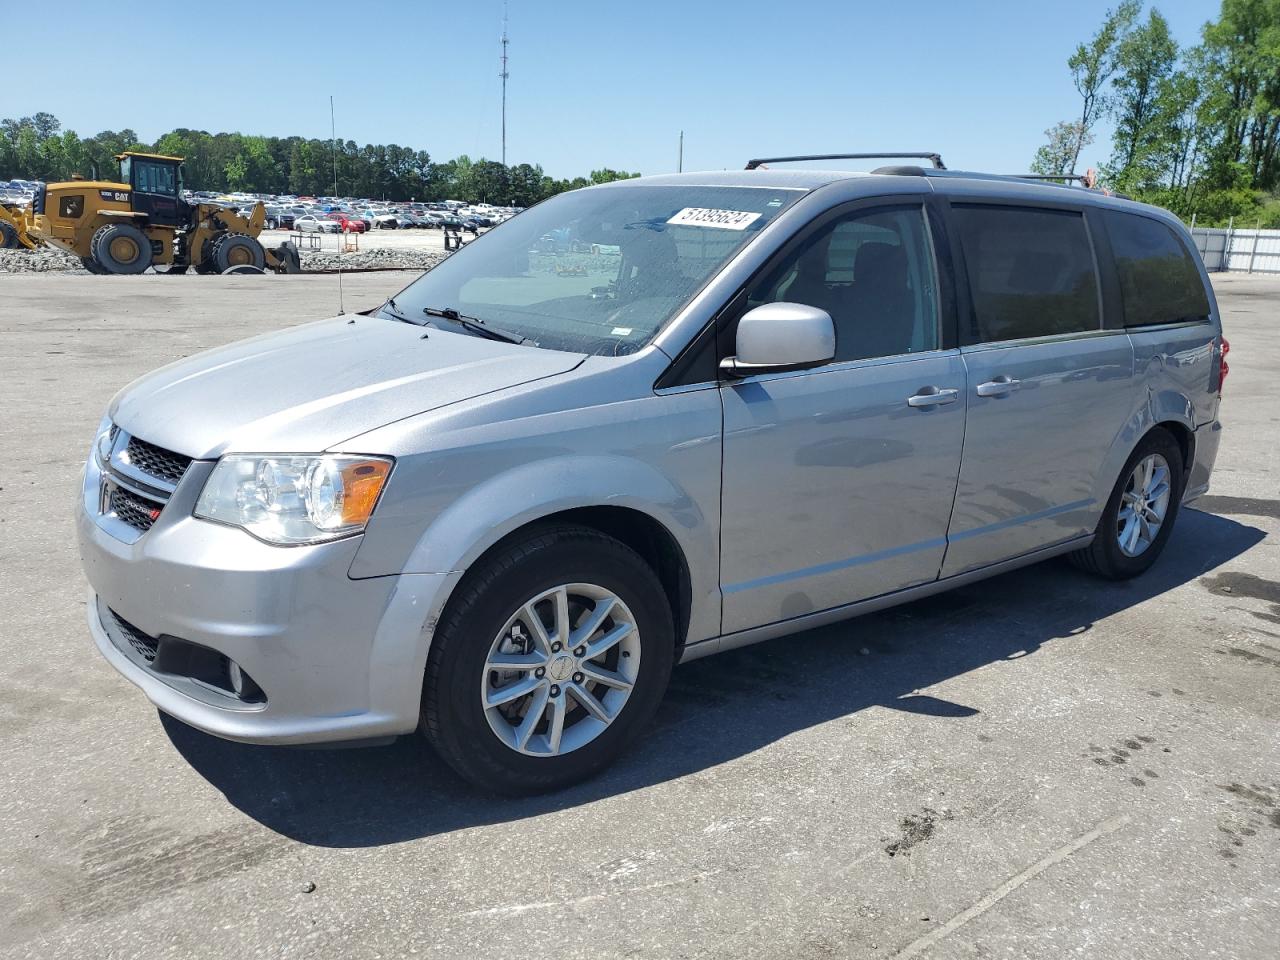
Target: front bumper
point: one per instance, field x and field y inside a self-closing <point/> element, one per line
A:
<point x="336" y="658"/>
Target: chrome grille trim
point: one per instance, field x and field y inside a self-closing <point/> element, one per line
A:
<point x="137" y="479"/>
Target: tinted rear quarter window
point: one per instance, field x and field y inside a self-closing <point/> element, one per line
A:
<point x="1031" y="271"/>
<point x="1159" y="282"/>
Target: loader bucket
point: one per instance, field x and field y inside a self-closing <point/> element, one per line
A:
<point x="284" y="258"/>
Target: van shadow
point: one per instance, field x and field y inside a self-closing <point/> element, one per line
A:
<point x="718" y="708"/>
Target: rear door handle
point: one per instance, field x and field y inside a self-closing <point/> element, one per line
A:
<point x="999" y="387"/>
<point x="933" y="396"/>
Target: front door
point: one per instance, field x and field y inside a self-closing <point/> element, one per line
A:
<point x="155" y="191"/>
<point x="838" y="481"/>
<point x="1049" y="388"/>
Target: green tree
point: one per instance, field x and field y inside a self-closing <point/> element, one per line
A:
<point x="1144" y="105"/>
<point x="1092" y="66"/>
<point x="237" y="172"/>
<point x="1242" y="60"/>
<point x="1065" y="140"/>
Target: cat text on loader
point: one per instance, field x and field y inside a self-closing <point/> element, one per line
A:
<point x="143" y="222"/>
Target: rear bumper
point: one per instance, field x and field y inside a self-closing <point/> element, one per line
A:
<point x="1204" y="455"/>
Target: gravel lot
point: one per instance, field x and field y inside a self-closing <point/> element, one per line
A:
<point x="382" y="249"/>
<point x="1042" y="765"/>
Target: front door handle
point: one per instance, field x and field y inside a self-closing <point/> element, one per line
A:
<point x="933" y="397"/>
<point x="1001" y="386"/>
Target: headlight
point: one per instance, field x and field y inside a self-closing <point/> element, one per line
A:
<point x="102" y="442"/>
<point x="294" y="499"/>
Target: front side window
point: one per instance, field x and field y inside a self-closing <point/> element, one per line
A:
<point x="155" y="178"/>
<point x="1159" y="282"/>
<point x="598" y="270"/>
<point x="1031" y="272"/>
<point x="873" y="272"/>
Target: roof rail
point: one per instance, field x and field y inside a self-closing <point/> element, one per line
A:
<point x="933" y="158"/>
<point x="1078" y="177"/>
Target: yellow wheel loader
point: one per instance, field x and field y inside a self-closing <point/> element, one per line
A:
<point x="143" y="222"/>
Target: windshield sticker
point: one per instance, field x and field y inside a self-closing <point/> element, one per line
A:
<point x="621" y="331"/>
<point x="717" y="219"/>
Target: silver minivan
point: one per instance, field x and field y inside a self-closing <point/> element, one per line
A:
<point x="637" y="424"/>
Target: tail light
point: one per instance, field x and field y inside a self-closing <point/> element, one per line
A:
<point x="1223" y="367"/>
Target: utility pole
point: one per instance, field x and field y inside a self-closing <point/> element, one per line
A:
<point x="680" y="155"/>
<point x="504" y="76"/>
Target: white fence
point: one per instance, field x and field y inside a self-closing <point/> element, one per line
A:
<point x="1251" y="251"/>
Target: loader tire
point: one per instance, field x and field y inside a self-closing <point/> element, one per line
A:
<point x="236" y="250"/>
<point x="92" y="265"/>
<point x="8" y="236"/>
<point x="121" y="248"/>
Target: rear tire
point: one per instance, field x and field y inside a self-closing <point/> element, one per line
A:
<point x="1120" y="549"/>
<point x="236" y="250"/>
<point x="477" y="741"/>
<point x="121" y="248"/>
<point x="8" y="236"/>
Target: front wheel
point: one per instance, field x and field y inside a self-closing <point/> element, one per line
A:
<point x="231" y="250"/>
<point x="552" y="655"/>
<point x="1139" y="515"/>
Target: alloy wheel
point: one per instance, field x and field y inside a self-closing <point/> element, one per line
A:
<point x="561" y="670"/>
<point x="1143" y="505"/>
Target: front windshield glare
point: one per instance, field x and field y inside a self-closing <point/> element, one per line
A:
<point x="599" y="270"/>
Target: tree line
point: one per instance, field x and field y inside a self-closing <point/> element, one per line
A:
<point x="38" y="148"/>
<point x="1196" y="128"/>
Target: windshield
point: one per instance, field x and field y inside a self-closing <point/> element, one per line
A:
<point x="599" y="270"/>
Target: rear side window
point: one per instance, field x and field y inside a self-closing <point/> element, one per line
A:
<point x="1159" y="282"/>
<point x="1031" y="272"/>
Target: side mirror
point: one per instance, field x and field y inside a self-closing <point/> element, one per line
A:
<point x="775" y="337"/>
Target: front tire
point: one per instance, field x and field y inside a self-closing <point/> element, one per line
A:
<point x="1139" y="515"/>
<point x="552" y="655"/>
<point x="231" y="250"/>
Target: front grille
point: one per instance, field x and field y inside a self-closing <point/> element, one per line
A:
<point x="156" y="461"/>
<point x="144" y="645"/>
<point x="138" y="512"/>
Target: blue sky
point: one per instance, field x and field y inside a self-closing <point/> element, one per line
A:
<point x="593" y="84"/>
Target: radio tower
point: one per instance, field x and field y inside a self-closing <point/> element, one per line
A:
<point x="504" y="76"/>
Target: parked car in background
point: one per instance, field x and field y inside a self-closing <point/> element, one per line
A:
<point x="310" y="223"/>
<point x="279" y="218"/>
<point x="348" y="223"/>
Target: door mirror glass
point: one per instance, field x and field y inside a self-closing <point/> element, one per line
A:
<point x="782" y="336"/>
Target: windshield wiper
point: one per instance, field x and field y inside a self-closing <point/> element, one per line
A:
<point x="393" y="311"/>
<point x="476" y="325"/>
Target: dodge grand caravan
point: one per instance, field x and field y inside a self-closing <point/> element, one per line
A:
<point x="730" y="406"/>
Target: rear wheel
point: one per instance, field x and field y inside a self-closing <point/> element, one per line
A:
<point x="236" y="250"/>
<point x="1140" y="513"/>
<point x="551" y="657"/>
<point x="121" y="248"/>
<point x="8" y="236"/>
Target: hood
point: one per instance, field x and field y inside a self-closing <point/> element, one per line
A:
<point x="307" y="388"/>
